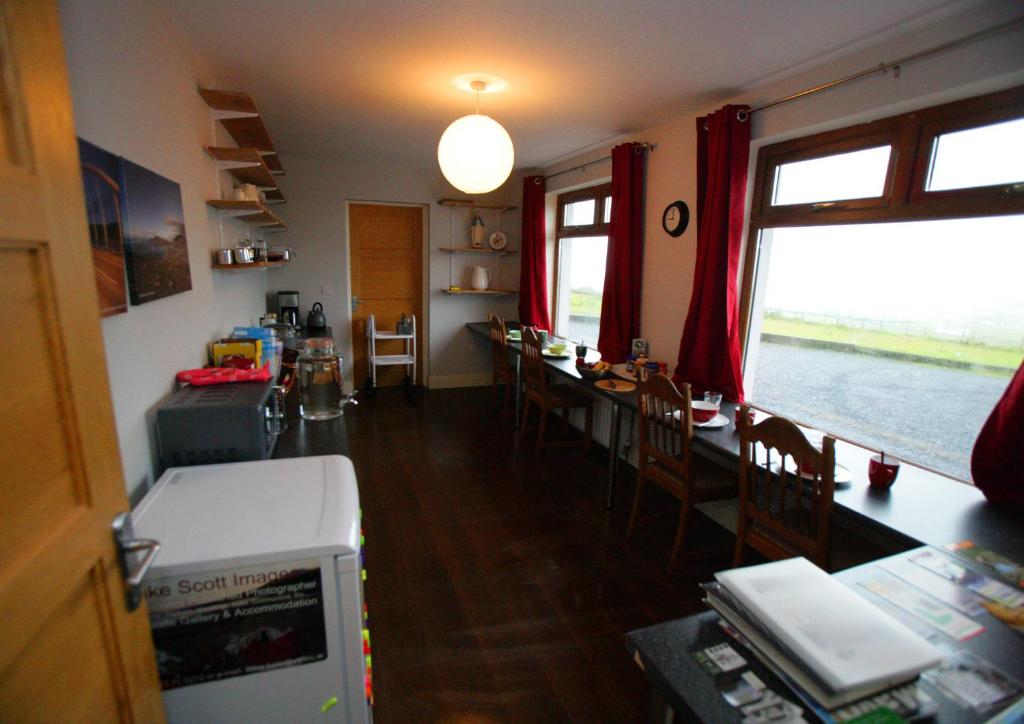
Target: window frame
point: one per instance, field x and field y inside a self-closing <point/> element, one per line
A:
<point x="904" y="198"/>
<point x="601" y="194"/>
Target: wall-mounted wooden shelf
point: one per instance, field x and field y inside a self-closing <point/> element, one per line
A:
<point x="472" y="250"/>
<point x="253" y="212"/>
<point x="245" y="164"/>
<point x="237" y="112"/>
<point x="253" y="265"/>
<point x="469" y="203"/>
<point x="274" y="196"/>
<point x="494" y="292"/>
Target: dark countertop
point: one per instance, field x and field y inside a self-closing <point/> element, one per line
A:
<point x="922" y="506"/>
<point x="304" y="438"/>
<point x="665" y="653"/>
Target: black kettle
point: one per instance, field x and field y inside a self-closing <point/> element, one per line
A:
<point x="316" y="319"/>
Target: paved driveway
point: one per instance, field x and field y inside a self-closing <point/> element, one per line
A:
<point x="919" y="412"/>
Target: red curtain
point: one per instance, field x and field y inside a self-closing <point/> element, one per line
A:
<point x="533" y="274"/>
<point x="998" y="456"/>
<point x="709" y="351"/>
<point x="623" y="274"/>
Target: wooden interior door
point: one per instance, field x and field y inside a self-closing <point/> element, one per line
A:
<point x="69" y="649"/>
<point x="386" y="264"/>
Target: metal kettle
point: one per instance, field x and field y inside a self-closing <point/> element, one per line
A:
<point x="316" y="319"/>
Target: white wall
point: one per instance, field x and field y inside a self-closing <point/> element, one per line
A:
<point x="671" y="171"/>
<point x="133" y="85"/>
<point x="317" y="190"/>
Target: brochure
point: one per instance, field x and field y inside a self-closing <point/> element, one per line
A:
<point x="990" y="561"/>
<point x="982" y="585"/>
<point x="945" y="619"/>
<point x="941" y="588"/>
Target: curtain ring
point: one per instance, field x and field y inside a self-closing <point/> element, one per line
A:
<point x="537" y="180"/>
<point x="742" y="116"/>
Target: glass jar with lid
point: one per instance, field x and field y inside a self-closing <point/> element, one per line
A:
<point x="321" y="396"/>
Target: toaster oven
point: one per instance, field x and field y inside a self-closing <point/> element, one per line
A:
<point x="202" y="425"/>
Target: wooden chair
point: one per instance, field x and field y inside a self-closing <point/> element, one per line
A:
<point x="665" y="456"/>
<point x="550" y="397"/>
<point x="782" y="513"/>
<point x="503" y="371"/>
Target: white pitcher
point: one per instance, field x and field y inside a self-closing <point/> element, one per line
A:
<point x="481" y="278"/>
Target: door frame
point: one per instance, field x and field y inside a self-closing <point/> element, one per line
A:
<point x="422" y="325"/>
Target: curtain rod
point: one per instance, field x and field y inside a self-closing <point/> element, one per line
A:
<point x="644" y="146"/>
<point x="884" y="67"/>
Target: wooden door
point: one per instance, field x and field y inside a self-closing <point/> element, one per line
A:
<point x="386" y="262"/>
<point x="69" y="650"/>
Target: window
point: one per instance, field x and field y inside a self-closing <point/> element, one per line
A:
<point x="882" y="294"/>
<point x="853" y="175"/>
<point x="582" y="238"/>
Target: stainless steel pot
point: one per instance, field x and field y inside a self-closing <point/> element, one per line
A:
<point x="224" y="256"/>
<point x="245" y="255"/>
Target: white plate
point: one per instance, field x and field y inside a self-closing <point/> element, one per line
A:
<point x="620" y="371"/>
<point x="498" y="241"/>
<point x="718" y="420"/>
<point x="843" y="474"/>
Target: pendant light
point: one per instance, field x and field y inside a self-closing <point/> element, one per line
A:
<point x="475" y="152"/>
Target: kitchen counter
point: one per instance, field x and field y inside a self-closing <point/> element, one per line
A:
<point x="304" y="438"/>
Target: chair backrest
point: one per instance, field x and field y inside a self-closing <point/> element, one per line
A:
<point x="499" y="343"/>
<point x="533" y="361"/>
<point x="666" y="423"/>
<point x="787" y="488"/>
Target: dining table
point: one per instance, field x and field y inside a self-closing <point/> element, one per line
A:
<point x="923" y="507"/>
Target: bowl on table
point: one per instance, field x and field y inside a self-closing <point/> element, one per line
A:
<point x="557" y="348"/>
<point x="589" y="373"/>
<point x="704" y="411"/>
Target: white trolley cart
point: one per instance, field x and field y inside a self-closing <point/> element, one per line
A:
<point x="406" y="358"/>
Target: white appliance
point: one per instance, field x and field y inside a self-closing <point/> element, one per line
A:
<point x="256" y="598"/>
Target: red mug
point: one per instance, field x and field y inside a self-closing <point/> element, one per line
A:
<point x="882" y="473"/>
<point x="750" y="417"/>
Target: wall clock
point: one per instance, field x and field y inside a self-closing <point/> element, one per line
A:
<point x="676" y="218"/>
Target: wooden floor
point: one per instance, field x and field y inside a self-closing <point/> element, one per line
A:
<point x="499" y="588"/>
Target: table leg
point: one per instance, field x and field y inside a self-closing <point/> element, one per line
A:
<point x="519" y="389"/>
<point x="628" y="444"/>
<point x="613" y="455"/>
<point x="659" y="711"/>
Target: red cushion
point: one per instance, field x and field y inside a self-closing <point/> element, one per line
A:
<point x="997" y="464"/>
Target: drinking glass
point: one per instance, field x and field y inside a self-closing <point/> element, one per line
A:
<point x="715" y="398"/>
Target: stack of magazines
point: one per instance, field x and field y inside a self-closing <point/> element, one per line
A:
<point x="818" y="634"/>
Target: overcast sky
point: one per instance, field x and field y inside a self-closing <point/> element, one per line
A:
<point x="921" y="271"/>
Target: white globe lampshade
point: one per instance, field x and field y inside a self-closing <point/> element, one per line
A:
<point x="475" y="154"/>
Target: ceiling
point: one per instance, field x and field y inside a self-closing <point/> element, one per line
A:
<point x="371" y="80"/>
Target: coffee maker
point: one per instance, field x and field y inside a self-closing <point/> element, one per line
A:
<point x="288" y="306"/>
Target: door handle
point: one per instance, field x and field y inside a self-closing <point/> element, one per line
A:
<point x="127" y="544"/>
<point x="356" y="301"/>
